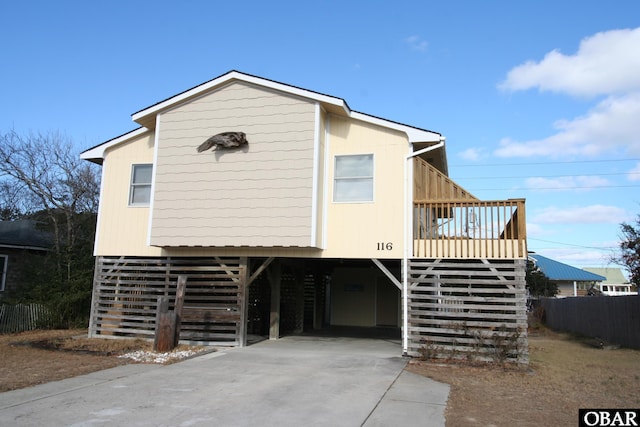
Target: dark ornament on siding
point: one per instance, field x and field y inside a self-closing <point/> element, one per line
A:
<point x="224" y="140"/>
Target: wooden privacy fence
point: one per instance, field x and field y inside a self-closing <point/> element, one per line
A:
<point x="614" y="319"/>
<point x="470" y="229"/>
<point x="126" y="291"/>
<point x="25" y="317"/>
<point x="471" y="309"/>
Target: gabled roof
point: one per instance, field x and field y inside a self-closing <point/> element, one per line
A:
<point x="146" y="117"/>
<point x="612" y="275"/>
<point x="95" y="154"/>
<point x="556" y="270"/>
<point x="24" y="234"/>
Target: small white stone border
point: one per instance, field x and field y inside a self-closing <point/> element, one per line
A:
<point x="142" y="356"/>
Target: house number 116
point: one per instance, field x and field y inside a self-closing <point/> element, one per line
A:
<point x="385" y="246"/>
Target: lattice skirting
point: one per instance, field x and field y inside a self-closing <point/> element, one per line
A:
<point x="126" y="291"/>
<point x="468" y="309"/>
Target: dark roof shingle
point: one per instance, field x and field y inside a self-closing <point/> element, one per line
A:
<point x="24" y="234"/>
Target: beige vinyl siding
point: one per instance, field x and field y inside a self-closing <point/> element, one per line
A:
<point x="259" y="195"/>
<point x="122" y="229"/>
<point x="356" y="229"/>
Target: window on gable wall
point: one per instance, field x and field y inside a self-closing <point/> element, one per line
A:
<point x="353" y="181"/>
<point x="140" y="191"/>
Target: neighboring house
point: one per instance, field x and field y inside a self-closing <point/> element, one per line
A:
<point x="571" y="281"/>
<point x="327" y="217"/>
<point x="615" y="283"/>
<point x="20" y="241"/>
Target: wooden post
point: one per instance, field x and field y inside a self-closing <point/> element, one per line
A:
<point x="165" y="327"/>
<point x="299" y="275"/>
<point x="243" y="301"/>
<point x="97" y="270"/>
<point x="318" y="304"/>
<point x="522" y="230"/>
<point x="274" y="317"/>
<point x="167" y="332"/>
<point x="177" y="307"/>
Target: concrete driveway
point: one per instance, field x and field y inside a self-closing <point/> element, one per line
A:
<point x="294" y="381"/>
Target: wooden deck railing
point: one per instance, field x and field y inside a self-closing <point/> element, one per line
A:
<point x="470" y="229"/>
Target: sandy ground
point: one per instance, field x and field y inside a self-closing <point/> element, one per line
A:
<point x="37" y="357"/>
<point x="565" y="374"/>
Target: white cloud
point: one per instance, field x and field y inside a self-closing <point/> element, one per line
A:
<point x="471" y="154"/>
<point x="612" y="124"/>
<point x="417" y="43"/>
<point x="594" y="214"/>
<point x="578" y="257"/>
<point x="537" y="230"/>
<point x="634" y="174"/>
<point x="605" y="63"/>
<point x="566" y="183"/>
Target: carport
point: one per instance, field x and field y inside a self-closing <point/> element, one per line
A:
<point x="324" y="297"/>
<point x="228" y="299"/>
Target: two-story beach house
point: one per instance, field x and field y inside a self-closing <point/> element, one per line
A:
<point x="317" y="216"/>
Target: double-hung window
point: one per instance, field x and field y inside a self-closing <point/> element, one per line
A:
<point x="140" y="191"/>
<point x="353" y="178"/>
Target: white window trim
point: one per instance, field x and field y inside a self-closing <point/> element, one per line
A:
<point x="373" y="179"/>
<point x="132" y="185"/>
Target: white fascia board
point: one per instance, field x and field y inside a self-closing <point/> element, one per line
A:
<point x="325" y="173"/>
<point x="97" y="152"/>
<point x="315" y="177"/>
<point x="414" y="134"/>
<point x="98" y="236"/>
<point x="235" y="75"/>
<point x="154" y="171"/>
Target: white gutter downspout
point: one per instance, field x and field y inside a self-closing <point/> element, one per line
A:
<point x="407" y="242"/>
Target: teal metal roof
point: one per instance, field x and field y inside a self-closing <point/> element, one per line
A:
<point x="556" y="270"/>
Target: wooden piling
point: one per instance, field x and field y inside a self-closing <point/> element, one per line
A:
<point x="165" y="327"/>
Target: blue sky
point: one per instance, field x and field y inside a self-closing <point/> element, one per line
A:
<point x="539" y="100"/>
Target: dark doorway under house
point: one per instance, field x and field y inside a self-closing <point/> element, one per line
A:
<point x="350" y="298"/>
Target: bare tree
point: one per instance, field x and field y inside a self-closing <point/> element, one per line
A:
<point x="628" y="254"/>
<point x="46" y="174"/>
<point x="12" y="203"/>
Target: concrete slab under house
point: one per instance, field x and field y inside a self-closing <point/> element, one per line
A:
<point x="291" y="213"/>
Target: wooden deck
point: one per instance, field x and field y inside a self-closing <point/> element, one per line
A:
<point x="450" y="222"/>
<point x="470" y="229"/>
